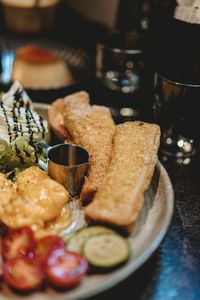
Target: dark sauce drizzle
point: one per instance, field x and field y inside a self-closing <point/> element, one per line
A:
<point x="27" y="154"/>
<point x="34" y="121"/>
<point x="19" y="103"/>
<point x="29" y="117"/>
<point x="28" y="124"/>
<point x="16" y="128"/>
<point x="6" y="117"/>
<point x="21" y="129"/>
<point x="18" y="99"/>
<point x="42" y="125"/>
<point x="18" y="154"/>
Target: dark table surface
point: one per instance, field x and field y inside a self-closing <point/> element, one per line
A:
<point x="173" y="271"/>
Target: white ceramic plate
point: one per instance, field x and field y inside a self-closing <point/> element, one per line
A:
<point x="149" y="230"/>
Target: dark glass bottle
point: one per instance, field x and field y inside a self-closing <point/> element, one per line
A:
<point x="175" y="43"/>
<point x="175" y="52"/>
<point x="132" y="21"/>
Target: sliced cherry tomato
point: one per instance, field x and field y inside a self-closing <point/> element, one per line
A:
<point x="65" y="269"/>
<point x="18" y="242"/>
<point x="47" y="244"/>
<point x="22" y="274"/>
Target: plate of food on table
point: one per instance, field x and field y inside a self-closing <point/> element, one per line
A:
<point x="55" y="245"/>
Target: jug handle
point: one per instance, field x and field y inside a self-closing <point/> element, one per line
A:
<point x="45" y="148"/>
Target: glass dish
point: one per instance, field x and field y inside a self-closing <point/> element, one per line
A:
<point x="71" y="67"/>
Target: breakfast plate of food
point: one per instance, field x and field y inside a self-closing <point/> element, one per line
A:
<point x="55" y="246"/>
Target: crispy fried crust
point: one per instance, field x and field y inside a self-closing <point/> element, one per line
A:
<point x="93" y="128"/>
<point x="121" y="195"/>
<point x="56" y="112"/>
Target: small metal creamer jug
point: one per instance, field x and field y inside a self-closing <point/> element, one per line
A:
<point x="67" y="164"/>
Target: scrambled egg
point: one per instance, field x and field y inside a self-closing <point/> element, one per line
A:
<point x="34" y="200"/>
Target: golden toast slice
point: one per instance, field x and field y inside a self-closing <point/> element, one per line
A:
<point x="121" y="195"/>
<point x="93" y="128"/>
<point x="56" y="112"/>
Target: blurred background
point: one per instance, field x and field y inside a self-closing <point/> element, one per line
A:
<point x="72" y="30"/>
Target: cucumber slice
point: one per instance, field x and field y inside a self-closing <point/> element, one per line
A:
<point x="106" y="250"/>
<point x="77" y="241"/>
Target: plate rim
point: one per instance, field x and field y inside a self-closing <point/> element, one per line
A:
<point x="129" y="268"/>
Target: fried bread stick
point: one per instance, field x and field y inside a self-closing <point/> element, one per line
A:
<point x="121" y="195"/>
<point x="57" y="108"/>
<point x="93" y="128"/>
<point x="90" y="126"/>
